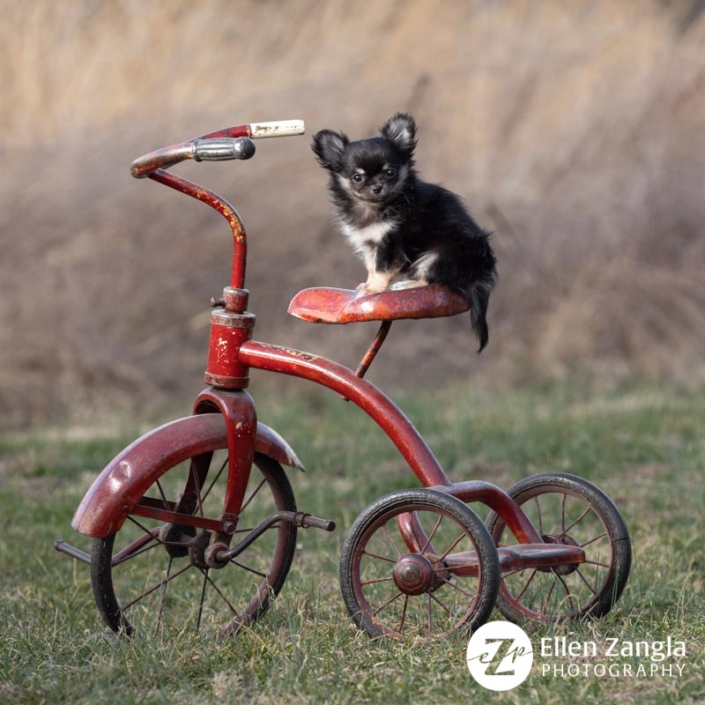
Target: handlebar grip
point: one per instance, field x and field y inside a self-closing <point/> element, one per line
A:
<point x="308" y="521"/>
<point x="223" y="148"/>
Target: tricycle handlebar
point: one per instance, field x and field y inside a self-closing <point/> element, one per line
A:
<point x="215" y="146"/>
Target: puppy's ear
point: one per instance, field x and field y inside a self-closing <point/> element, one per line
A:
<point x="400" y="130"/>
<point x="330" y="147"/>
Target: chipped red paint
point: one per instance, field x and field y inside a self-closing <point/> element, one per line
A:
<point x="329" y="305"/>
<point x="128" y="476"/>
<point x="238" y="410"/>
<point x="229" y="330"/>
<point x="154" y="164"/>
<point x="218" y="203"/>
<point x="271" y="444"/>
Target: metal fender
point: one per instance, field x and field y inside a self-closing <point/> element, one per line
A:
<point x="128" y="476"/>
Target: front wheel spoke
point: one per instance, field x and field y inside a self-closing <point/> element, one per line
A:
<point x="221" y="595"/>
<point x="215" y="479"/>
<point x="144" y="543"/>
<point x="253" y="495"/>
<point x="161" y="492"/>
<point x="158" y="585"/>
<point x="386" y="604"/>
<point x="202" y="600"/>
<point x="197" y="488"/>
<point x="597" y="563"/>
<point x="153" y="533"/>
<point x="162" y="600"/>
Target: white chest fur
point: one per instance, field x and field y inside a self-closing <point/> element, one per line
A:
<point x="362" y="237"/>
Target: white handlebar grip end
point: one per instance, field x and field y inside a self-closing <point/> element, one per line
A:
<point x="279" y="128"/>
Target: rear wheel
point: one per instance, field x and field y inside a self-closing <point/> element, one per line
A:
<point x="568" y="510"/>
<point x="418" y="564"/>
<point x="153" y="574"/>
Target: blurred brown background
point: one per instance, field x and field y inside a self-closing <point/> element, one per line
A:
<point x="574" y="130"/>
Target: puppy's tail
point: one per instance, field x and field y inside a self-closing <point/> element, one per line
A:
<point x="479" y="297"/>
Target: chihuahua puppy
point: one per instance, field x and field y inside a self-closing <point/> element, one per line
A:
<point x="399" y="224"/>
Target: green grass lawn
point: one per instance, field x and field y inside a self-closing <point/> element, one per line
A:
<point x="644" y="446"/>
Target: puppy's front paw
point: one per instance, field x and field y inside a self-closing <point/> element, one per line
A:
<point x="408" y="284"/>
<point x="362" y="289"/>
<point x="367" y="288"/>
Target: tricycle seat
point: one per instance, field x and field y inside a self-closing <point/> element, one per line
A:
<point x="329" y="305"/>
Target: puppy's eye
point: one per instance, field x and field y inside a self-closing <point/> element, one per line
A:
<point x="390" y="173"/>
<point x="358" y="178"/>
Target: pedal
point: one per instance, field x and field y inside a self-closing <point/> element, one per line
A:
<point x="308" y="521"/>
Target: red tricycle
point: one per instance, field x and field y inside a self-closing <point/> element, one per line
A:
<point x="195" y="523"/>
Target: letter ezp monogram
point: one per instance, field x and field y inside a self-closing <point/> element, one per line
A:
<point x="504" y="656"/>
<point x="500" y="655"/>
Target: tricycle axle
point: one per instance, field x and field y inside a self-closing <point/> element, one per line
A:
<point x="63" y="547"/>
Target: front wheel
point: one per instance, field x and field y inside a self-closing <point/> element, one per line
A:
<point x="568" y="510"/>
<point x="153" y="573"/>
<point x="418" y="564"/>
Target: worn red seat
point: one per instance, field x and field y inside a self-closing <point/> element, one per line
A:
<point x="329" y="305"/>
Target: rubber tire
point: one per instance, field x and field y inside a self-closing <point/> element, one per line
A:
<point x="617" y="576"/>
<point x="102" y="552"/>
<point x="411" y="500"/>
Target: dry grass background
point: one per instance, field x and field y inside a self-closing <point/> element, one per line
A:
<point x="575" y="130"/>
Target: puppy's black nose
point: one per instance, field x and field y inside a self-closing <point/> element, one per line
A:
<point x="377" y="189"/>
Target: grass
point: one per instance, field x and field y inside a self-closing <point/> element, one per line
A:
<point x="644" y="446"/>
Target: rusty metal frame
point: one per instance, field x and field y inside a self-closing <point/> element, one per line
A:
<point x="225" y="414"/>
<point x="126" y="478"/>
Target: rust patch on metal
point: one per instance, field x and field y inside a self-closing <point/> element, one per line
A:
<point x="308" y="357"/>
<point x="330" y="305"/>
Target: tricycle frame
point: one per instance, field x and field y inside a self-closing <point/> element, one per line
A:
<point x="226" y="408"/>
